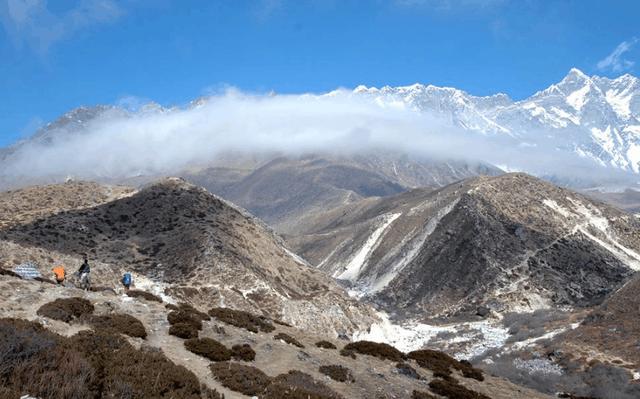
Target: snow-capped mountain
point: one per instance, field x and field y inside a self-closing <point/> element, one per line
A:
<point x="594" y="117"/>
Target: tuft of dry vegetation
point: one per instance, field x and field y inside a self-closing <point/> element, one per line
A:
<point x="325" y="345"/>
<point x="298" y="385"/>
<point x="243" y="352"/>
<point x="181" y="317"/>
<point x="209" y="348"/>
<point x="337" y="372"/>
<point x="183" y="330"/>
<point x="442" y="364"/>
<point x="240" y="378"/>
<point x="242" y="319"/>
<point x="87" y="365"/>
<point x="453" y="390"/>
<point x="144" y="295"/>
<point x="379" y="350"/>
<point x="66" y="309"/>
<point x="288" y="339"/>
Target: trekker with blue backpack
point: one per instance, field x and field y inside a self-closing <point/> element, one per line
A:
<point x="126" y="281"/>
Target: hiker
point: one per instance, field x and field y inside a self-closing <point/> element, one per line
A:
<point x="83" y="272"/>
<point x="60" y="274"/>
<point x="126" y="281"/>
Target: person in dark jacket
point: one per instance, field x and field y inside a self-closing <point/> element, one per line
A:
<point x="83" y="272"/>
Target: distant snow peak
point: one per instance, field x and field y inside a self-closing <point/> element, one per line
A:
<point x="597" y="117"/>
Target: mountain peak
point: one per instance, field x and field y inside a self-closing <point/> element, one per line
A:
<point x="575" y="73"/>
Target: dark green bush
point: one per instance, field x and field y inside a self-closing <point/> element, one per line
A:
<point x="288" y="339"/>
<point x="240" y="378"/>
<point x="325" y="345"/>
<point x="66" y="309"/>
<point x="381" y="351"/>
<point x="337" y="372"/>
<point x="242" y="319"/>
<point x="183" y="330"/>
<point x="209" y="348"/>
<point x="243" y="352"/>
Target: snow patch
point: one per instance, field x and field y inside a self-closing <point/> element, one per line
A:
<point x="354" y="267"/>
<point x="578" y="98"/>
<point x="479" y="336"/>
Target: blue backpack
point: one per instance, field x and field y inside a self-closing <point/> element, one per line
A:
<point x="126" y="279"/>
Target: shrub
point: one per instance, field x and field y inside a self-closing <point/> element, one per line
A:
<point x="441" y="364"/>
<point x="288" y="339"/>
<point x="209" y="348"/>
<point x="453" y="390"/>
<point x="240" y="378"/>
<point x="122" y="323"/>
<point x="337" y="372"/>
<point x="348" y="353"/>
<point x="407" y="370"/>
<point x="144" y="295"/>
<point x="243" y="352"/>
<point x="298" y="385"/>
<point x="66" y="309"/>
<point x="185" y="307"/>
<point x="421" y="395"/>
<point x="183" y="330"/>
<point x="87" y="365"/>
<point x="242" y="319"/>
<point x="282" y="323"/>
<point x="381" y="351"/>
<point x="181" y="317"/>
<point x="325" y="345"/>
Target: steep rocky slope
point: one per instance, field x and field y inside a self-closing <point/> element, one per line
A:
<point x="504" y="243"/>
<point x="199" y="247"/>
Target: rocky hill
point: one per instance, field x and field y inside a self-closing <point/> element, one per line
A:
<point x="60" y="342"/>
<point x="507" y="243"/>
<point x="197" y="246"/>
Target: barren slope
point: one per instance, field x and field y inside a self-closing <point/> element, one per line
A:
<point x="200" y="247"/>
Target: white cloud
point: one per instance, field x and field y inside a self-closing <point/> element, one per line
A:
<point x="32" y="22"/>
<point x="615" y="61"/>
<point x="154" y="141"/>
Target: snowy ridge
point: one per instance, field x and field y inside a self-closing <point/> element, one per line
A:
<point x="595" y="118"/>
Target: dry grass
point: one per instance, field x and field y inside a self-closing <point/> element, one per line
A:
<point x="381" y="351"/>
<point x="242" y="319"/>
<point x="337" y="373"/>
<point x="240" y="378"/>
<point x="144" y="295"/>
<point x="288" y="339"/>
<point x="66" y="309"/>
<point x="209" y="348"/>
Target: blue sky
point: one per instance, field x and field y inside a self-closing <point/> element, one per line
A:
<point x="57" y="55"/>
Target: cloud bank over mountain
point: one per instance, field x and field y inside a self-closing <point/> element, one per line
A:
<point x="420" y="120"/>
